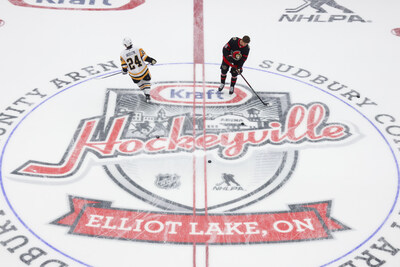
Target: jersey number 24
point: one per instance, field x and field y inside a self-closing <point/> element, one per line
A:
<point x="132" y="65"/>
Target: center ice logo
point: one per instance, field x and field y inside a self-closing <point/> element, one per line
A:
<point x="136" y="142"/>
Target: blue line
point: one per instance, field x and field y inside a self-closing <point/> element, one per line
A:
<point x="108" y="73"/>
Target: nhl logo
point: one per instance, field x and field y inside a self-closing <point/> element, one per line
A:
<point x="167" y="181"/>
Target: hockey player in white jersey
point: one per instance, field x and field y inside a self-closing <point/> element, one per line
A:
<point x="133" y="62"/>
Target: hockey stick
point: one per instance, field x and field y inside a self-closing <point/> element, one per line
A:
<point x="106" y="76"/>
<point x="266" y="104"/>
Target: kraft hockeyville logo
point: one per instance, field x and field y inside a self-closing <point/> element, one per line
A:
<point x="147" y="154"/>
<point x="131" y="127"/>
<point x="90" y="5"/>
<point x="324" y="11"/>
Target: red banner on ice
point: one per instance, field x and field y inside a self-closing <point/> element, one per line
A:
<point x="302" y="222"/>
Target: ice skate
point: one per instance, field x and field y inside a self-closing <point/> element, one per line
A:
<point x="221" y="86"/>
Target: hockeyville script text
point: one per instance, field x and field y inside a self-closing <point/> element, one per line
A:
<point x="301" y="124"/>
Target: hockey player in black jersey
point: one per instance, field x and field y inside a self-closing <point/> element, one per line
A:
<point x="235" y="53"/>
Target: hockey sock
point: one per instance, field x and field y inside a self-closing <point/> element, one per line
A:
<point x="223" y="78"/>
<point x="233" y="81"/>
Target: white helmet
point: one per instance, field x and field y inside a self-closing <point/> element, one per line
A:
<point x="127" y="42"/>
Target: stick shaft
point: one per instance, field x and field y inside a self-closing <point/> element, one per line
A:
<point x="253" y="89"/>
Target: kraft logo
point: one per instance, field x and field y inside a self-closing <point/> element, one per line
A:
<point x="184" y="94"/>
<point x="193" y="93"/>
<point x="90" y="5"/>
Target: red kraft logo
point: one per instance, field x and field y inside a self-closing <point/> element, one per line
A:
<point x="189" y="94"/>
<point x="90" y="5"/>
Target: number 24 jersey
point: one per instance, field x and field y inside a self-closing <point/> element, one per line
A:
<point x="132" y="60"/>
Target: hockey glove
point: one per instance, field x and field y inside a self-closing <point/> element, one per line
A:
<point x="231" y="59"/>
<point x="153" y="62"/>
<point x="239" y="70"/>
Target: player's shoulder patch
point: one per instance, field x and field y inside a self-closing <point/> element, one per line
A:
<point x="234" y="38"/>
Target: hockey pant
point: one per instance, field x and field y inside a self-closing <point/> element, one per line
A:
<point x="144" y="84"/>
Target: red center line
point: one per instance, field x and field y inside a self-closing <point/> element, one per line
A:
<point x="198" y="58"/>
<point x="194" y="156"/>
<point x="205" y="157"/>
<point x="195" y="53"/>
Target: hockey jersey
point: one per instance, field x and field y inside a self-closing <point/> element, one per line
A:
<point x="232" y="48"/>
<point x="132" y="60"/>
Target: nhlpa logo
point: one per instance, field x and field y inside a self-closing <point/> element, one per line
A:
<point x="322" y="8"/>
<point x="135" y="141"/>
<point x="318" y="6"/>
<point x="90" y="5"/>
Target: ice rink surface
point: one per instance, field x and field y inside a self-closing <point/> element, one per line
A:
<point x="92" y="175"/>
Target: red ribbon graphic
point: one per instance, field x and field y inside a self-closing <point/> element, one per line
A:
<point x="302" y="222"/>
